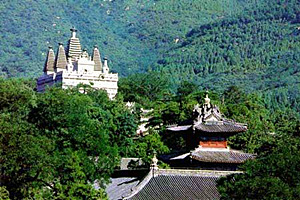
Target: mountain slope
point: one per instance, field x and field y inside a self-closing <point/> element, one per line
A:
<point x="131" y="33"/>
<point x="258" y="50"/>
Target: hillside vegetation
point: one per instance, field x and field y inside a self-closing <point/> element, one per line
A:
<point x="253" y="44"/>
<point x="131" y="33"/>
<point x="257" y="50"/>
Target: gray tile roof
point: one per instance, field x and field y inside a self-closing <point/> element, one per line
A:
<point x="178" y="184"/>
<point x="226" y="127"/>
<point x="223" y="128"/>
<point x="165" y="187"/>
<point x="119" y="187"/>
<point x="229" y="156"/>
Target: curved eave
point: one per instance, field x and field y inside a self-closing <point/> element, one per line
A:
<point x="224" y="128"/>
<point x="234" y="157"/>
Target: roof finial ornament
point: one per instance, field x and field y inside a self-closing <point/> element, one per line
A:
<point x="74" y="30"/>
<point x="206" y="99"/>
<point x="154" y="165"/>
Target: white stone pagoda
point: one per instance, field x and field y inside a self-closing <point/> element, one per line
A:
<point x="74" y="66"/>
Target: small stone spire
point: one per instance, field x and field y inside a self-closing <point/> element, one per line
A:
<point x="97" y="59"/>
<point x="61" y="60"/>
<point x="49" y="63"/>
<point x="105" y="66"/>
<point x="74" y="46"/>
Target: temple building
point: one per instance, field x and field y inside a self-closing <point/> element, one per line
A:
<point x="195" y="171"/>
<point x="206" y="139"/>
<point x="72" y="66"/>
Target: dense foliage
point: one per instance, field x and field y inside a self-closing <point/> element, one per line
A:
<point x="274" y="174"/>
<point x="257" y="50"/>
<point x="54" y="145"/>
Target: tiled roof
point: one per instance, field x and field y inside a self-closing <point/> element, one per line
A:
<point x="171" y="184"/>
<point x="213" y="128"/>
<point x="221" y="128"/>
<point x="119" y="187"/>
<point x="229" y="156"/>
<point x="165" y="187"/>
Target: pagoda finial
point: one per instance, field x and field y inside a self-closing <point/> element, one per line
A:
<point x="154" y="161"/>
<point x="74" y="30"/>
<point x="206" y="99"/>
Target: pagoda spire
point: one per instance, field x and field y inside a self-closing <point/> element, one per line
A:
<point x="74" y="46"/>
<point x="61" y="60"/>
<point x="97" y="59"/>
<point x="105" y="66"/>
<point x="49" y="63"/>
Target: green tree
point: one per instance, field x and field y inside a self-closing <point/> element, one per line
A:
<point x="146" y="146"/>
<point x="274" y="175"/>
<point x="53" y="145"/>
<point x="144" y="88"/>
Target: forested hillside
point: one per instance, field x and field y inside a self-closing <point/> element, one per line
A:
<point x="258" y="50"/>
<point x="131" y="33"/>
<point x="253" y="44"/>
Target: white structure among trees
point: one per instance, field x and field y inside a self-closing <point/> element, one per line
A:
<point x="74" y="66"/>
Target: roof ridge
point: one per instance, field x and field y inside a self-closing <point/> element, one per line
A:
<point x="141" y="185"/>
<point x="176" y="172"/>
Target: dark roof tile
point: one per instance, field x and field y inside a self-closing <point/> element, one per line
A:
<point x="173" y="187"/>
<point x="231" y="156"/>
<point x="221" y="128"/>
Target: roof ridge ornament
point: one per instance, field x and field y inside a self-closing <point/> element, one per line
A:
<point x="207" y="99"/>
<point x="154" y="160"/>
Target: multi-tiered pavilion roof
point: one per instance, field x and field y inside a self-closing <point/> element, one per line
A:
<point x="208" y="133"/>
